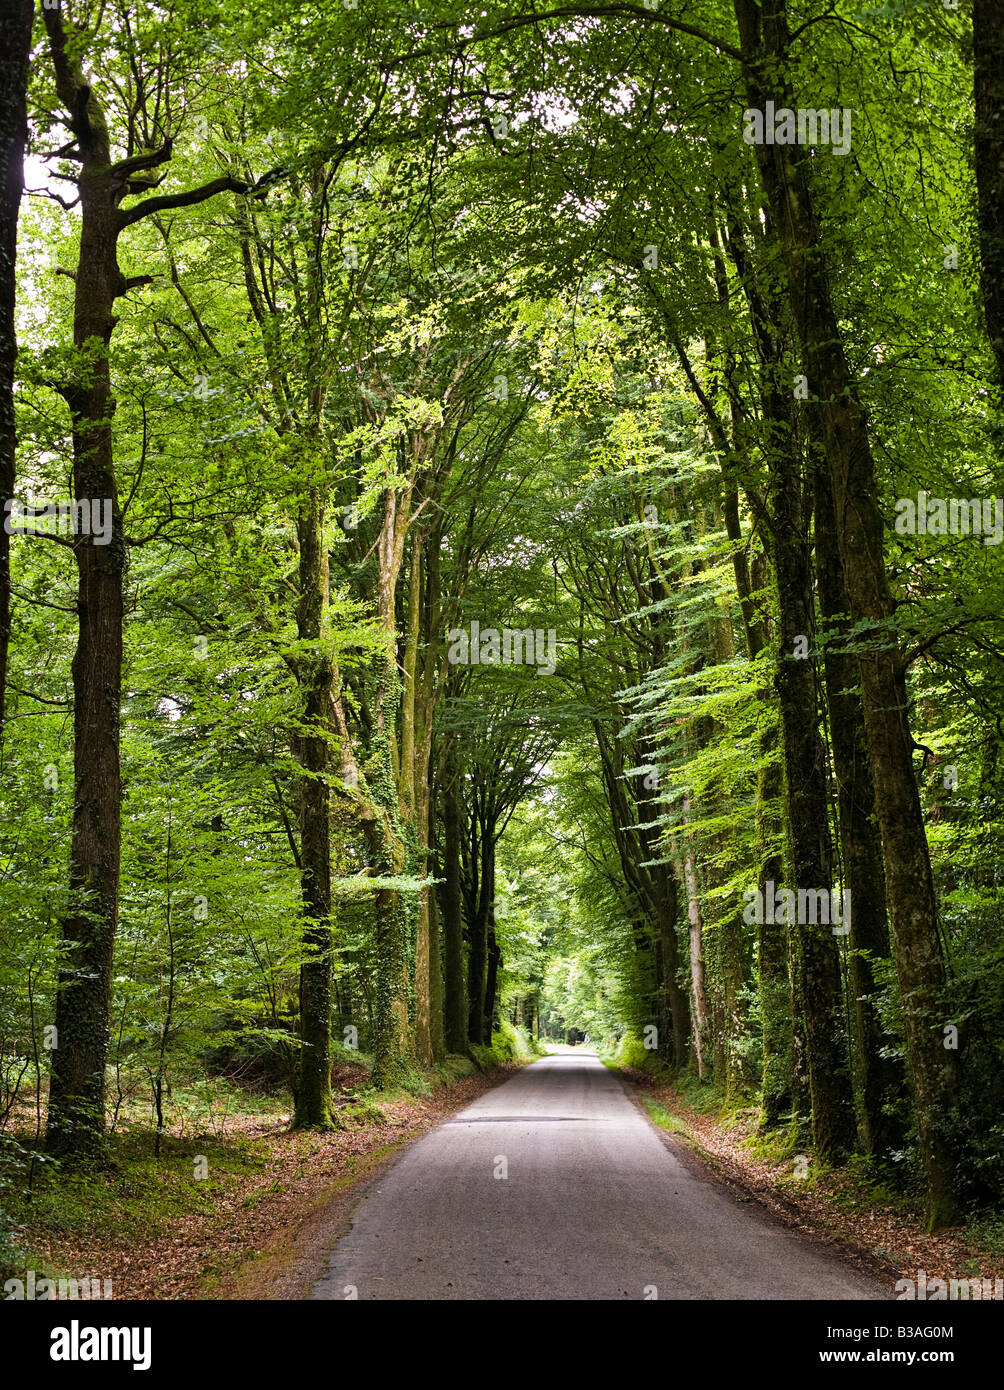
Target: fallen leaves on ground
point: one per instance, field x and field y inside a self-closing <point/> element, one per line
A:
<point x="197" y="1255"/>
<point x="892" y="1241"/>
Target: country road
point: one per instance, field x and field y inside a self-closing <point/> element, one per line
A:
<point x="555" y="1186"/>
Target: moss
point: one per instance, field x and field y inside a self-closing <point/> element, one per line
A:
<point x="455" y="1066"/>
<point x="362" y="1110"/>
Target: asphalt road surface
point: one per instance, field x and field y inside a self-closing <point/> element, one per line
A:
<point x="555" y="1186"/>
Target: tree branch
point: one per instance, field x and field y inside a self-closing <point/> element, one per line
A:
<point x="225" y="184"/>
<point x="125" y="168"/>
<point x="635" y="12"/>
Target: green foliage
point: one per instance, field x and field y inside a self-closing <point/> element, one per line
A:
<point x="454" y="351"/>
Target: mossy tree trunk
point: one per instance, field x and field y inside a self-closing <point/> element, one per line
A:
<point x="882" y="1078"/>
<point x="913" y="908"/>
<point x="988" y="131"/>
<point x="455" y="1003"/>
<point x="809" y="840"/>
<point x="313" y="1081"/>
<point x="483" y="856"/>
<point x="76" y="1095"/>
<point x="15" y="42"/>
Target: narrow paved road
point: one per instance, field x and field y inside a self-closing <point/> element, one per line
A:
<point x="555" y="1186"/>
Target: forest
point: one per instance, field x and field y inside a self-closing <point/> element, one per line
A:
<point x="502" y="547"/>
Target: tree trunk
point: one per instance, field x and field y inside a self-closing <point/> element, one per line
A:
<point x="988" y="131"/>
<point x="686" y="873"/>
<point x="771" y="945"/>
<point x="478" y="961"/>
<point x="436" y="981"/>
<point x="676" y="1010"/>
<point x="810" y="849"/>
<point x="76" y="1091"/>
<point x="15" y="43"/>
<point x="882" y="1078"/>
<point x="393" y="1030"/>
<point x="491" y="1020"/>
<point x="771" y="948"/>
<point x="455" y="1009"/>
<point x="313" y="1083"/>
<point x="913" y="909"/>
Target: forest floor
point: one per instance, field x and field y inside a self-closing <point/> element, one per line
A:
<point x="238" y="1206"/>
<point x="260" y="1221"/>
<point x="849" y="1208"/>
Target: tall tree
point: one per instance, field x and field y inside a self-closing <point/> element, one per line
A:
<point x="15" y="40"/>
<point x="913" y="910"/>
<point x="76" y="1096"/>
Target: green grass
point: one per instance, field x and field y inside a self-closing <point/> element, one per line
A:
<point x="988" y="1231"/>
<point x="136" y="1196"/>
<point x="664" y="1118"/>
<point x="777" y="1145"/>
<point x="509" y="1044"/>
